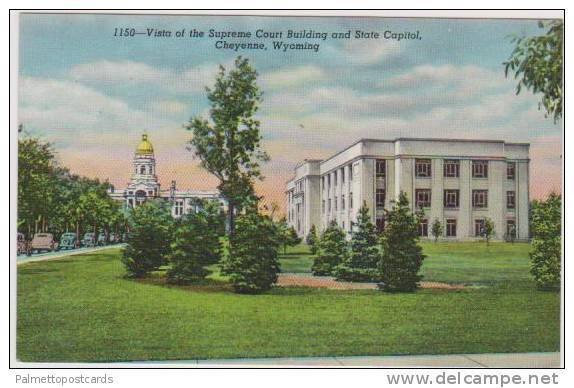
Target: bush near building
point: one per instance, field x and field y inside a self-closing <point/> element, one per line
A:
<point x="402" y="256"/>
<point x="195" y="246"/>
<point x="312" y="240"/>
<point x="332" y="250"/>
<point x="545" y="256"/>
<point x="149" y="239"/>
<point x="361" y="263"/>
<point x="252" y="262"/>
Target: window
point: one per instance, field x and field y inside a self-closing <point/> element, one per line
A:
<point x="451" y="228"/>
<point x="480" y="168"/>
<point x="335" y="202"/>
<point x="323" y="207"/>
<point x="422" y="168"/>
<point x="342" y="175"/>
<point x="350" y="172"/>
<point x="451" y="168"/>
<point x="178" y="208"/>
<point x="511" y="229"/>
<point x="329" y="207"/>
<point x="335" y="178"/>
<point x="423" y="198"/>
<point x="343" y="225"/>
<point x="478" y="228"/>
<point x="380" y="224"/>
<point x="510" y="170"/>
<point x="342" y="203"/>
<point x="351" y="200"/>
<point x="510" y="200"/>
<point x="424" y="228"/>
<point x="451" y="199"/>
<point x="480" y="198"/>
<point x="380" y="198"/>
<point x="381" y="168"/>
<point x="142" y="170"/>
<point x="329" y="182"/>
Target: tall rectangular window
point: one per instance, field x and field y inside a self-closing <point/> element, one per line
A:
<point x="178" y="208"/>
<point x="480" y="198"/>
<point x="424" y="228"/>
<point x="329" y="182"/>
<point x="422" y="168"/>
<point x="479" y="228"/>
<point x="342" y="202"/>
<point x="323" y="207"/>
<point x="480" y="168"/>
<point x="335" y="178"/>
<point x="343" y="175"/>
<point x="423" y="198"/>
<point x="451" y="228"/>
<point x="350" y="172"/>
<point x="511" y="229"/>
<point x="510" y="170"/>
<point x="351" y="200"/>
<point x="510" y="199"/>
<point x="451" y="168"/>
<point x="336" y="203"/>
<point x="451" y="198"/>
<point x="329" y="206"/>
<point x="381" y="168"/>
<point x="380" y="198"/>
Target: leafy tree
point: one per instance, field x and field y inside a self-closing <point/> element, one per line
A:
<point x="545" y="256"/>
<point x="361" y="264"/>
<point x="436" y="229"/>
<point x="488" y="231"/>
<point x="149" y="240"/>
<point x="332" y="250"/>
<point x="539" y="62"/>
<point x="252" y="260"/>
<point x="229" y="145"/>
<point x="312" y="240"/>
<point x="287" y="235"/>
<point x="402" y="257"/>
<point x="196" y="244"/>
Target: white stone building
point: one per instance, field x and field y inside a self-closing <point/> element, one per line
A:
<point x="458" y="182"/>
<point x="144" y="185"/>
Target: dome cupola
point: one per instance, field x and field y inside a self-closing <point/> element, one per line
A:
<point x="145" y="147"/>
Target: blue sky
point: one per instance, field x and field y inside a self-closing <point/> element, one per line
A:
<point x="93" y="94"/>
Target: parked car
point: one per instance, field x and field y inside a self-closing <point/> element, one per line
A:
<point x="89" y="240"/>
<point x="43" y="242"/>
<point x="68" y="241"/>
<point x="102" y="239"/>
<point x="23" y="245"/>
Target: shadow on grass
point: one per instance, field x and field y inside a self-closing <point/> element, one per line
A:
<point x="206" y="285"/>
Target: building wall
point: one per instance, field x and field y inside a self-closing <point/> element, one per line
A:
<point x="324" y="183"/>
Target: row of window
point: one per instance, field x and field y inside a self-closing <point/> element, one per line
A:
<point x="451" y="198"/>
<point x="451" y="169"/>
<point x="336" y="202"/>
<point x="326" y="180"/>
<point x="479" y="228"/>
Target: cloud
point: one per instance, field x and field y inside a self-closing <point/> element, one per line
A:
<point x="294" y="76"/>
<point x="368" y="52"/>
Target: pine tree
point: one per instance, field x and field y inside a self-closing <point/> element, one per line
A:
<point x="436" y="230"/>
<point x="545" y="257"/>
<point x="488" y="230"/>
<point x="196" y="245"/>
<point x="312" y="240"/>
<point x="252" y="260"/>
<point x="332" y="250"/>
<point x="287" y="235"/>
<point x="149" y="239"/>
<point x="361" y="264"/>
<point x="402" y="257"/>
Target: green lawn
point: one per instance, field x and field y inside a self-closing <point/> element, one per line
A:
<point x="81" y="309"/>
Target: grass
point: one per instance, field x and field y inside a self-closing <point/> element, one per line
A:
<point x="82" y="309"/>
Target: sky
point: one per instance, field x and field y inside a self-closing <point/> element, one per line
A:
<point x="93" y="94"/>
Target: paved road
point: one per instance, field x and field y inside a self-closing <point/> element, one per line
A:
<point x="60" y="254"/>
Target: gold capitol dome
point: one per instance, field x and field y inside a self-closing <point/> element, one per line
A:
<point x="145" y="147"/>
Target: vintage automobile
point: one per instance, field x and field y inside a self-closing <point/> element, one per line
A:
<point x="102" y="239"/>
<point x="68" y="241"/>
<point x="89" y="240"/>
<point x="23" y="245"/>
<point x="43" y="242"/>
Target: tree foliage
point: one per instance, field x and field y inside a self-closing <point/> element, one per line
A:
<point x="252" y="262"/>
<point x="538" y="63"/>
<point x="488" y="231"/>
<point x="545" y="256"/>
<point x="361" y="263"/>
<point x="287" y="235"/>
<point x="332" y="250"/>
<point x="312" y="240"/>
<point x="149" y="239"/>
<point x="402" y="256"/>
<point x="229" y="144"/>
<point x="436" y="229"/>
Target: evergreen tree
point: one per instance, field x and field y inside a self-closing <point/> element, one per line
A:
<point x="545" y="256"/>
<point x="252" y="260"/>
<point x="488" y="231"/>
<point x="149" y="239"/>
<point x="312" y="240"/>
<point x="196" y="245"/>
<point x="287" y="235"/>
<point x="402" y="257"/>
<point x="332" y="250"/>
<point x="361" y="264"/>
<point x="436" y="230"/>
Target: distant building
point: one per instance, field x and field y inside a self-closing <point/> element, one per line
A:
<point x="144" y="185"/>
<point x="459" y="182"/>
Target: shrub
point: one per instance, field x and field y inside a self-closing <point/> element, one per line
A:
<point x="149" y="239"/>
<point x="332" y="250"/>
<point x="488" y="231"/>
<point x="360" y="265"/>
<point x="287" y="235"/>
<point x="195" y="245"/>
<point x="545" y="255"/>
<point x="402" y="257"/>
<point x="312" y="240"/>
<point x="436" y="230"/>
<point x="252" y="260"/>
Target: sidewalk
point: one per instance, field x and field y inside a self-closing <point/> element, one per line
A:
<point x="60" y="254"/>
